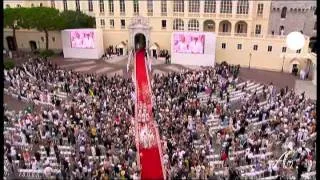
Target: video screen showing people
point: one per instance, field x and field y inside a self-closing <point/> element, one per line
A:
<point x="82" y="39"/>
<point x="189" y="43"/>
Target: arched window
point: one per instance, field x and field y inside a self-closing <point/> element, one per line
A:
<point x="315" y="11"/>
<point x="225" y="26"/>
<point x="284" y="12"/>
<point x="32" y="5"/>
<point x="194" y="6"/>
<point x="241" y="27"/>
<point x="41" y="5"/>
<point x="208" y="26"/>
<point x="315" y="26"/>
<point x="18" y="5"/>
<point x="7" y="6"/>
<point x="242" y="7"/>
<point x="193" y="25"/>
<point x="226" y="6"/>
<point x="178" y="24"/>
<point x="210" y="6"/>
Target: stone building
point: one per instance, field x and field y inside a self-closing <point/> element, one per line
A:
<point x="288" y="15"/>
<point x="243" y="27"/>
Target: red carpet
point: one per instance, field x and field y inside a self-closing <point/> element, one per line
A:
<point x="150" y="155"/>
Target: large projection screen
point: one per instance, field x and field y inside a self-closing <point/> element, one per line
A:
<point x="193" y="48"/>
<point x="82" y="43"/>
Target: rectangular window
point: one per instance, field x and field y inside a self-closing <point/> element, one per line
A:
<point x="163" y="6"/>
<point x="315" y="26"/>
<point x="239" y="46"/>
<point x="77" y="5"/>
<point x="269" y="48"/>
<point x="123" y="23"/>
<point x="255" y="47"/>
<point x="164" y="24"/>
<point x="210" y="6"/>
<point x="150" y="7"/>
<point x="178" y="6"/>
<point x="260" y="10"/>
<point x="65" y="5"/>
<point x="102" y="22"/>
<point x="194" y="6"/>
<point x="242" y="7"/>
<point x="122" y="7"/>
<point x="53" y="4"/>
<point x="111" y="23"/>
<point x="90" y="6"/>
<point x="258" y="29"/>
<point x="136" y="7"/>
<point x="111" y="7"/>
<point x="298" y="51"/>
<point x="284" y="49"/>
<point x="223" y="45"/>
<point x="226" y="6"/>
<point x="101" y="6"/>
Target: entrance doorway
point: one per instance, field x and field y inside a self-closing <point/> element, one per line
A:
<point x="295" y="69"/>
<point x="11" y="45"/>
<point x="33" y="45"/>
<point x="121" y="51"/>
<point x="139" y="41"/>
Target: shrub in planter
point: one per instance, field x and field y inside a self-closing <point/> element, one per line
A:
<point x="8" y="64"/>
<point x="46" y="53"/>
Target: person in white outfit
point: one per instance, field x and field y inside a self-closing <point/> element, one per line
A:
<point x="88" y="41"/>
<point x="182" y="45"/>
<point x="196" y="46"/>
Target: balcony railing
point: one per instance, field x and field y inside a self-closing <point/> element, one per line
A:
<point x="225" y="15"/>
<point x="256" y="35"/>
<point x="276" y="36"/>
<point x="194" y="14"/>
<point x="122" y="13"/>
<point x="225" y="33"/>
<point x="163" y="13"/>
<point x="136" y="13"/>
<point x="150" y="13"/>
<point x="242" y="16"/>
<point x="111" y="13"/>
<point x="179" y="14"/>
<point x="241" y="34"/>
<point x="209" y="15"/>
<point x="259" y="15"/>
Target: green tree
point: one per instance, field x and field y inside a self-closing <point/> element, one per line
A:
<point x="77" y="19"/>
<point x="12" y="19"/>
<point x="43" y="19"/>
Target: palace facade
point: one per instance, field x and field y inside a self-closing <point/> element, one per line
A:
<point x="247" y="31"/>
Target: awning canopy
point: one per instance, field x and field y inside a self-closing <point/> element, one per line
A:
<point x="155" y="46"/>
<point x="121" y="45"/>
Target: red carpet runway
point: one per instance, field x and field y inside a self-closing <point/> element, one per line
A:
<point x="147" y="135"/>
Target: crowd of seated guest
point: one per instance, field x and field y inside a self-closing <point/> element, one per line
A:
<point x="89" y="132"/>
<point x="286" y="118"/>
